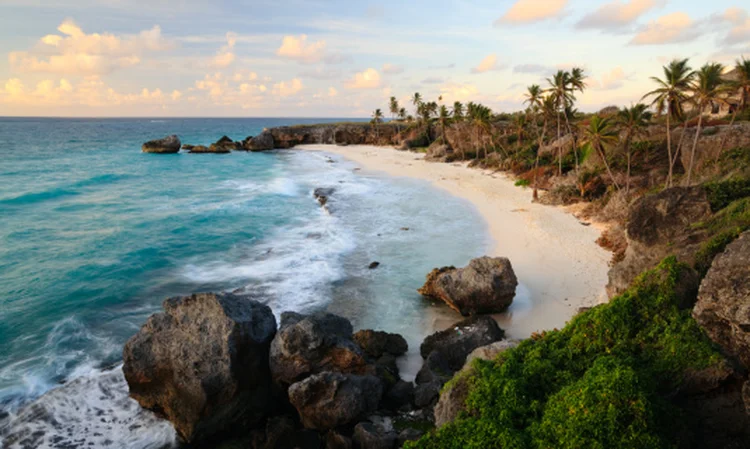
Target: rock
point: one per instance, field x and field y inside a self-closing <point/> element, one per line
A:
<point x="203" y="363"/>
<point x="329" y="400"/>
<point x="723" y="307"/>
<point x="167" y="145"/>
<point x="426" y="394"/>
<point x="439" y="152"/>
<point x="377" y="343"/>
<point x="490" y="352"/>
<point x="452" y="401"/>
<point x="202" y="149"/>
<point x="262" y="142"/>
<point x="322" y="194"/>
<point x="457" y="342"/>
<point x="379" y="435"/>
<point x="658" y="226"/>
<point x="408" y="434"/>
<point x="335" y="440"/>
<point x="312" y="344"/>
<point x="188" y="147"/>
<point x="400" y="396"/>
<point x="746" y="396"/>
<point x="486" y="285"/>
<point x="373" y="265"/>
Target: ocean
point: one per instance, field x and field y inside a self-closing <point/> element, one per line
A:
<point x="94" y="235"/>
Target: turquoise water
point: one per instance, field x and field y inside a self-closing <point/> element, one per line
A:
<point x="94" y="235"/>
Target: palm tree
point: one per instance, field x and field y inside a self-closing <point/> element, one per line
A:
<point x="481" y="117"/>
<point x="740" y="86"/>
<point x="377" y="118"/>
<point x="707" y="88"/>
<point x="393" y="104"/>
<point x="633" y="121"/>
<point x="560" y="91"/>
<point x="402" y="114"/>
<point x="519" y="125"/>
<point x="669" y="98"/>
<point x="458" y="111"/>
<point x="533" y="96"/>
<point x="416" y="100"/>
<point x="443" y="115"/>
<point x="600" y="134"/>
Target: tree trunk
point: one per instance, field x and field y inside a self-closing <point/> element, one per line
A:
<point x="669" y="151"/>
<point x="628" y="156"/>
<point x="606" y="164"/>
<point x="572" y="142"/>
<point x="559" y="146"/>
<point x="695" y="145"/>
<point x="724" y="140"/>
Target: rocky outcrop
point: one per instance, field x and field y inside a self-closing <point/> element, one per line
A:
<point x="261" y="142"/>
<point x="328" y="400"/>
<point x="310" y="344"/>
<point x="322" y="194"/>
<point x="489" y="352"/>
<point x="378" y="343"/>
<point x="658" y="226"/>
<point x="711" y="143"/>
<point x="203" y="363"/>
<point x="439" y="152"/>
<point x="723" y="307"/>
<point x="486" y="285"/>
<point x="377" y="433"/>
<point x="167" y="145"/>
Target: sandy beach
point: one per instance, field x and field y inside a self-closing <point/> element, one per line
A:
<point x="559" y="266"/>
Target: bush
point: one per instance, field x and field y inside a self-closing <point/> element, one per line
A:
<point x="713" y="247"/>
<point x="523" y="183"/>
<point x="721" y="194"/>
<point x="600" y="382"/>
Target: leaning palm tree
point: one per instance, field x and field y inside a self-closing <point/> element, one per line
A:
<point x="377" y="119"/>
<point x="707" y="89"/>
<point x="416" y="100"/>
<point x="632" y="121"/>
<point x="402" y="114"/>
<point x="533" y="96"/>
<point x="600" y="134"/>
<point x="458" y="111"/>
<point x="741" y="87"/>
<point x="669" y="98"/>
<point x="443" y="116"/>
<point x="559" y="89"/>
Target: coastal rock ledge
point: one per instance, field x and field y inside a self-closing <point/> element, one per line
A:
<point x="486" y="285"/>
<point x="203" y="363"/>
<point x="167" y="145"/>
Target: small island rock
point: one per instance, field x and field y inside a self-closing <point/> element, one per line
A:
<point x="167" y="145"/>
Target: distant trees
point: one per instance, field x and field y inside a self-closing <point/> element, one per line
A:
<point x="562" y="88"/>
<point x="377" y="119"/>
<point x="632" y="121"/>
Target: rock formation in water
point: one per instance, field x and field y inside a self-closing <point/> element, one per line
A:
<point x="203" y="363"/>
<point x="486" y="285"/>
<point x="167" y="145"/>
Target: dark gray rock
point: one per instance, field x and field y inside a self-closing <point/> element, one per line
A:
<point x="335" y="440"/>
<point x="375" y="434"/>
<point x="373" y="265"/>
<point x="312" y="344"/>
<point x="486" y="285"/>
<point x="262" y="142"/>
<point x="377" y="343"/>
<point x="203" y="363"/>
<point x="723" y="307"/>
<point x="408" y="434"/>
<point x="167" y="145"/>
<point x="400" y="396"/>
<point x="329" y="400"/>
<point x="322" y="194"/>
<point x="457" y="342"/>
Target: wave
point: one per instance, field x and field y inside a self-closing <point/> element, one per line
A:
<point x="61" y="192"/>
<point x="94" y="410"/>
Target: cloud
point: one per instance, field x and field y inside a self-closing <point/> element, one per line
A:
<point x="459" y="92"/>
<point x="669" y="29"/>
<point x="536" y="69"/>
<point x="442" y="67"/>
<point x="488" y="64"/>
<point x="739" y="19"/>
<point x="299" y="49"/>
<point x="332" y="92"/>
<point x="609" y="81"/>
<point x="433" y="80"/>
<point x="392" y="69"/>
<point x="287" y="88"/>
<point x="319" y="73"/>
<point x="368" y="79"/>
<point x="617" y="14"/>
<point x="225" y="57"/>
<point x="73" y="52"/>
<point x="529" y="11"/>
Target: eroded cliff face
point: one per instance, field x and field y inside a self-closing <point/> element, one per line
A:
<point x="331" y="134"/>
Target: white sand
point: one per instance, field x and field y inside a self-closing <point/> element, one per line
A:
<point x="558" y="264"/>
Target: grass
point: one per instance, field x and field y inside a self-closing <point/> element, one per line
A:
<point x="523" y="183"/>
<point x="603" y="381"/>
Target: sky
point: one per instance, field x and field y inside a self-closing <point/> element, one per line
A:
<point x="334" y="58"/>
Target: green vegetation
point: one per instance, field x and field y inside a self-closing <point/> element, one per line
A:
<point x="523" y="183"/>
<point x="721" y="194"/>
<point x="723" y="227"/>
<point x="603" y="381"/>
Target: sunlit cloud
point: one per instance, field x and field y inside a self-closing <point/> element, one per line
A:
<point x="617" y="14"/>
<point x="488" y="64"/>
<point x="368" y="79"/>
<point x="529" y="11"/>
<point x="299" y="49"/>
<point x="392" y="69"/>
<point x="225" y="57"/>
<point x="669" y="29"/>
<point x="288" y="88"/>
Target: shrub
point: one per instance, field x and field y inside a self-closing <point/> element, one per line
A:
<point x="523" y="183"/>
<point x="618" y="361"/>
<point x="713" y="247"/>
<point x="721" y="194"/>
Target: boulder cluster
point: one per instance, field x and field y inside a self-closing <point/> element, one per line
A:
<point x="220" y="367"/>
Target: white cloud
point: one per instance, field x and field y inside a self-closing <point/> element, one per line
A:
<point x="669" y="29"/>
<point x="529" y="11"/>
<point x="612" y="80"/>
<point x="536" y="69"/>
<point x="739" y="19"/>
<point x="618" y="13"/>
<point x="286" y="89"/>
<point x="299" y="49"/>
<point x="488" y="64"/>
<point x="225" y="57"/>
<point x="392" y="69"/>
<point x="77" y="53"/>
<point x="368" y="79"/>
<point x="332" y="92"/>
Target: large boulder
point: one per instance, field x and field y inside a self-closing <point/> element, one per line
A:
<point x="203" y="363"/>
<point x="486" y="285"/>
<point x="378" y="343"/>
<point x="723" y="307"/>
<point x="167" y="145"/>
<point x="328" y="400"/>
<point x="376" y="433"/>
<point x="439" y="152"/>
<point x="659" y="226"/>
<point x="262" y="142"/>
<point x="458" y="341"/>
<point x="310" y="344"/>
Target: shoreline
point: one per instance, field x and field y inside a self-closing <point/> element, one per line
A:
<point x="559" y="265"/>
